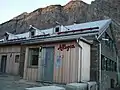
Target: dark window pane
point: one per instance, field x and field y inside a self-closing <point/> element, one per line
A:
<point x="33" y="56"/>
<point x="57" y="29"/>
<point x="32" y="33"/>
<point x="34" y="60"/>
<point x="112" y="66"/>
<point x="17" y="58"/>
<point x="103" y="62"/>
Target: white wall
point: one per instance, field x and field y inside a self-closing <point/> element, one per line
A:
<point x="85" y="61"/>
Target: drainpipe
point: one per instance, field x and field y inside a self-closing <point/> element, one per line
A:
<point x="100" y="73"/>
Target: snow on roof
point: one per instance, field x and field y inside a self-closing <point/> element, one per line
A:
<point x="1" y="40"/>
<point x="100" y="24"/>
<point x="48" y="31"/>
<point x="23" y="35"/>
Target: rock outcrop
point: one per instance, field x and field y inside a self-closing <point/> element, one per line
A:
<point x="47" y="17"/>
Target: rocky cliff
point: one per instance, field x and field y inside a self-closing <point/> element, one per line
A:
<point x="73" y="11"/>
<point x="46" y="17"/>
<point x="102" y="9"/>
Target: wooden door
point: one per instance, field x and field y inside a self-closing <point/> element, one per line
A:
<point x="47" y="64"/>
<point x="3" y="63"/>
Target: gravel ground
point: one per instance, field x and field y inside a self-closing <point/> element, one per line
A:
<point x="8" y="82"/>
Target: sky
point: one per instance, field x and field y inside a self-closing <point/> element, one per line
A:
<point x="12" y="8"/>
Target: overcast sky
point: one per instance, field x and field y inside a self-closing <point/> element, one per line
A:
<point x="12" y="8"/>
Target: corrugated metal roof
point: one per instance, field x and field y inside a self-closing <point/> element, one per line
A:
<point x="102" y="26"/>
<point x="58" y="38"/>
<point x="99" y="24"/>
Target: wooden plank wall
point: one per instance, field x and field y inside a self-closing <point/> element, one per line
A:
<point x="30" y="73"/>
<point x="11" y="52"/>
<point x="66" y="72"/>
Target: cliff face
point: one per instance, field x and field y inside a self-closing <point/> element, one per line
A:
<point x="105" y="8"/>
<point x="102" y="9"/>
<point x="46" y="17"/>
<point x="75" y="10"/>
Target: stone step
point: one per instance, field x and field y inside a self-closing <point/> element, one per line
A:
<point x="46" y="88"/>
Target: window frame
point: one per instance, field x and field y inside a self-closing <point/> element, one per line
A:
<point x="30" y="57"/>
<point x="57" y="29"/>
<point x="17" y="61"/>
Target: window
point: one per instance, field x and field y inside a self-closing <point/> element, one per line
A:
<point x="112" y="81"/>
<point x="6" y="36"/>
<point x="108" y="64"/>
<point x="112" y="65"/>
<point x="17" y="58"/>
<point x="103" y="62"/>
<point x="33" y="56"/>
<point x="57" y="29"/>
<point x="115" y="67"/>
<point x="32" y="33"/>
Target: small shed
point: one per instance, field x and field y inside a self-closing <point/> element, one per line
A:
<point x="62" y="59"/>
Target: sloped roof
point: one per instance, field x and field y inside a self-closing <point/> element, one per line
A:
<point x="100" y="24"/>
<point x="88" y="27"/>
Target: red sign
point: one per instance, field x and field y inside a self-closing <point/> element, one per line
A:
<point x="64" y="46"/>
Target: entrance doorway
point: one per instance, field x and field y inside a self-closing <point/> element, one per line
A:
<point x="3" y="63"/>
<point x="47" y="60"/>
